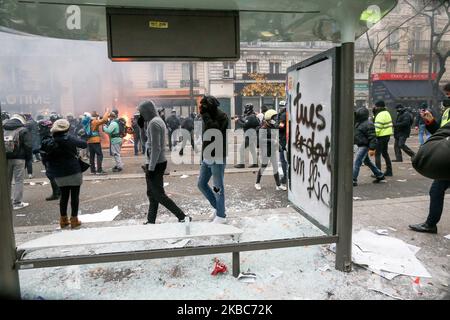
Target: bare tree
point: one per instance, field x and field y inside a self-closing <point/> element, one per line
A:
<point x="378" y="40"/>
<point x="431" y="11"/>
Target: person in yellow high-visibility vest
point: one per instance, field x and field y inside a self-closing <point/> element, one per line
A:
<point x="440" y="170"/>
<point x="383" y="131"/>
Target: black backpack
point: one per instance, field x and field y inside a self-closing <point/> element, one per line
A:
<point x="122" y="127"/>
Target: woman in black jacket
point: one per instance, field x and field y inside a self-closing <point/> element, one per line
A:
<point x="64" y="167"/>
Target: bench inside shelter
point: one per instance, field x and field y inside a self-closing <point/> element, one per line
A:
<point x="111" y="235"/>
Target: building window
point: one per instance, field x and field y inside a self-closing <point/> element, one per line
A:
<point x="394" y="40"/>
<point x="156" y="72"/>
<point x="252" y="66"/>
<point x="274" y="67"/>
<point x="360" y="66"/>
<point x="392" y="66"/>
<point x="228" y="65"/>
<point x="185" y="71"/>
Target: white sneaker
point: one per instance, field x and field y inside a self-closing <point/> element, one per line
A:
<point x="219" y="220"/>
<point x="20" y="205"/>
<point x="212" y="216"/>
<point x="281" y="187"/>
<point x="30" y="176"/>
<point x="257" y="186"/>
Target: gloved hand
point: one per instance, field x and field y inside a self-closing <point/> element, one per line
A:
<point x="371" y="153"/>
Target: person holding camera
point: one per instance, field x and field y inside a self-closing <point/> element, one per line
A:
<point x="214" y="146"/>
<point x="156" y="163"/>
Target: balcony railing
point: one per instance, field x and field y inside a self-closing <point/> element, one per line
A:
<point x="186" y="83"/>
<point x="269" y="76"/>
<point x="423" y="46"/>
<point x="157" y="84"/>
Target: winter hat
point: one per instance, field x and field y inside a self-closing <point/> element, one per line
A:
<point x="20" y="118"/>
<point x="60" y="125"/>
<point x="380" y="104"/>
<point x="87" y="115"/>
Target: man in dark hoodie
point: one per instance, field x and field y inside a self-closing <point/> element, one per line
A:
<point x="156" y="163"/>
<point x="402" y="130"/>
<point x="250" y="124"/>
<point x="214" y="153"/>
<point x="188" y="124"/>
<point x="432" y="160"/>
<point x="173" y="123"/>
<point x="18" y="145"/>
<point x="365" y="139"/>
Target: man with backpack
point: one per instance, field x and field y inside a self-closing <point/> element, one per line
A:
<point x="18" y="147"/>
<point x="113" y="129"/>
<point x="91" y="126"/>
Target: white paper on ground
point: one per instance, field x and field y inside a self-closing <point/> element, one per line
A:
<point x="403" y="180"/>
<point x="105" y="215"/>
<point x="184" y="176"/>
<point x="324" y="268"/>
<point x="357" y="198"/>
<point x="447" y="236"/>
<point x="247" y="277"/>
<point x="387" y="254"/>
<point x="386" y="293"/>
<point x="382" y="232"/>
<point x="166" y="184"/>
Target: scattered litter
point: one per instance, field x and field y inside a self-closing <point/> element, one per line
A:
<point x="96" y="181"/>
<point x="219" y="267"/>
<point x="38" y="183"/>
<point x="105" y="215"/>
<point x="357" y="198"/>
<point x="404" y="180"/>
<point x="383" y="292"/>
<point x="247" y="277"/>
<point x="166" y="184"/>
<point x="447" y="237"/>
<point x="275" y="273"/>
<point x="184" y="176"/>
<point x="127" y="194"/>
<point x="382" y="232"/>
<point x="21" y="215"/>
<point x="416" y="286"/>
<point x="32" y="183"/>
<point x="392" y="229"/>
<point x="383" y="254"/>
<point x="42" y="171"/>
<point x="179" y="243"/>
<point x="324" y="268"/>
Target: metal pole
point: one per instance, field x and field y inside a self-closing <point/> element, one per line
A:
<point x="191" y="88"/>
<point x="236" y="264"/>
<point x="9" y="276"/>
<point x="345" y="158"/>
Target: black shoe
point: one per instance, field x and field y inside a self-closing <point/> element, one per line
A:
<point x="388" y="174"/>
<point x="253" y="166"/>
<point x="52" y="197"/>
<point x="101" y="172"/>
<point x="423" y="227"/>
<point x="239" y="166"/>
<point x="378" y="179"/>
<point x="355" y="184"/>
<point x="396" y="160"/>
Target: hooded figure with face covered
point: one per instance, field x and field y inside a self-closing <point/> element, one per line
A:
<point x="156" y="163"/>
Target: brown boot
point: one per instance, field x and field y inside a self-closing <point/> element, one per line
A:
<point x="63" y="222"/>
<point x="74" y="222"/>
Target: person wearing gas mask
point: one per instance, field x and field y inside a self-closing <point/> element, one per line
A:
<point x="156" y="163"/>
<point x="214" y="153"/>
<point x="249" y="122"/>
<point x="269" y="145"/>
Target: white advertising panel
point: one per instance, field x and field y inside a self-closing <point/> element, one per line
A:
<point x="310" y="96"/>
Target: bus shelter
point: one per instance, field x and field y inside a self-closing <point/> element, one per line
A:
<point x="319" y="94"/>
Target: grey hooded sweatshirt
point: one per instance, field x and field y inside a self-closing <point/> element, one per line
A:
<point x="156" y="133"/>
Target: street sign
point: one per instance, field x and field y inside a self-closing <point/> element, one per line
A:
<point x="311" y="99"/>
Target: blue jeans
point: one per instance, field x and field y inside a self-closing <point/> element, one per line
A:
<point x="437" y="195"/>
<point x="216" y="195"/>
<point x="422" y="130"/>
<point x="361" y="156"/>
<point x="284" y="165"/>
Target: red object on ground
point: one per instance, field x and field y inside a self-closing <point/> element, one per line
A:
<point x="219" y="267"/>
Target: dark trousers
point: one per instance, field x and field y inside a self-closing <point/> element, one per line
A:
<point x="55" y="189"/>
<point x="156" y="194"/>
<point x="74" y="193"/>
<point x="95" y="149"/>
<point x="399" y="145"/>
<point x="437" y="195"/>
<point x="184" y="142"/>
<point x="170" y="132"/>
<point x="382" y="150"/>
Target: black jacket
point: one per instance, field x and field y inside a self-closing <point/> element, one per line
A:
<point x="173" y="122"/>
<point x="25" y="140"/>
<point x="33" y="127"/>
<point x="249" y="122"/>
<point x="403" y="123"/>
<point x="364" y="133"/>
<point x="188" y="123"/>
<point x="432" y="159"/>
<point x="62" y="155"/>
<point x="282" y="127"/>
<point x="215" y="119"/>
